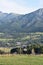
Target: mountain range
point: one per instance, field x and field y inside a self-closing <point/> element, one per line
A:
<point x="31" y="22"/>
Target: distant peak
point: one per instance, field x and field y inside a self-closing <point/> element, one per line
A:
<point x="41" y="9"/>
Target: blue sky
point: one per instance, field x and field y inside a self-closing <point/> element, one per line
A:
<point x="20" y="6"/>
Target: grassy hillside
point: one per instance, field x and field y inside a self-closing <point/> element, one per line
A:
<point x="9" y="40"/>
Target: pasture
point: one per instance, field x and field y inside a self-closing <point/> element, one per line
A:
<point x="21" y="59"/>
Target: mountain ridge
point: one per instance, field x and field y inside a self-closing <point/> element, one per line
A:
<point x="31" y="22"/>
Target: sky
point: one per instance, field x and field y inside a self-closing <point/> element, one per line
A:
<point x="20" y="6"/>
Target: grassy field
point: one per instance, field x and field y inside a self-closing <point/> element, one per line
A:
<point x="21" y="60"/>
<point x="5" y="49"/>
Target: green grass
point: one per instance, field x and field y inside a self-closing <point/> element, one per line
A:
<point x="3" y="39"/>
<point x="21" y="60"/>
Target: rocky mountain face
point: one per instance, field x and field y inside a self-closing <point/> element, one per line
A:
<point x="32" y="22"/>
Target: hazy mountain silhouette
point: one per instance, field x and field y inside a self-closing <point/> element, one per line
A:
<point x="32" y="22"/>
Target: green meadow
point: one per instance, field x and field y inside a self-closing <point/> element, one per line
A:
<point x="21" y="59"/>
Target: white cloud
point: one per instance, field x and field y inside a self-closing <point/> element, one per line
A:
<point x="7" y="6"/>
